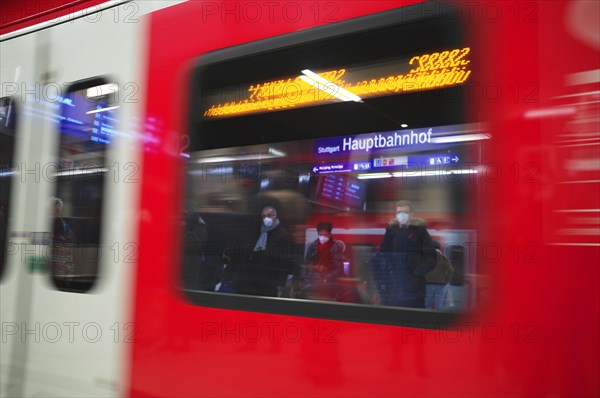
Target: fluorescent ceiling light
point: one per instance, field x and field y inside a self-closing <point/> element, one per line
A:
<point x="327" y="86"/>
<point x="433" y="173"/>
<point x="213" y="170"/>
<point x="276" y="152"/>
<point x="216" y="159"/>
<point x="373" y="175"/>
<point x="76" y="172"/>
<point x="420" y="173"/>
<point x="220" y="159"/>
<point x="110" y="108"/>
<point x="460" y="138"/>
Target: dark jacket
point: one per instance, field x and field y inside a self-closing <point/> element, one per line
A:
<point x="62" y="231"/>
<point x="406" y="254"/>
<point x="442" y="272"/>
<point x="261" y="272"/>
<point x="195" y="234"/>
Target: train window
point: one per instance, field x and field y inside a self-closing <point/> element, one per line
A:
<point x="8" y="120"/>
<point x="87" y="126"/>
<point x="324" y="166"/>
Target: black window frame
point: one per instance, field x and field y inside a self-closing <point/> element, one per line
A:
<point x="8" y="167"/>
<point x="67" y="285"/>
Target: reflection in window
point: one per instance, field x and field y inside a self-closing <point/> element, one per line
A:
<point x="87" y="126"/>
<point x="7" y="171"/>
<point x="342" y="238"/>
<point x="335" y="166"/>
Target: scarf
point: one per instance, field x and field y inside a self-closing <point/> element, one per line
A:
<point x="261" y="244"/>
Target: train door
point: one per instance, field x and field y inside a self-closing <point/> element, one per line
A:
<point x="69" y="328"/>
<point x="18" y="68"/>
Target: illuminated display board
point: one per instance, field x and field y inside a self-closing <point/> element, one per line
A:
<point x="78" y="116"/>
<point x="422" y="72"/>
<point x="87" y="118"/>
<point x="343" y="191"/>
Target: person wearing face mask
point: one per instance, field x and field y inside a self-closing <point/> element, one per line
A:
<point x="323" y="265"/>
<point x="405" y="255"/>
<point x="269" y="258"/>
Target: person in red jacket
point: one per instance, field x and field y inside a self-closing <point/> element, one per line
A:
<point x="323" y="265"/>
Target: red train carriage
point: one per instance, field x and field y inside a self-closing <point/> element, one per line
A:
<point x="142" y="141"/>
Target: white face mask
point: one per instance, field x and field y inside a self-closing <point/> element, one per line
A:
<point x="268" y="221"/>
<point x="402" y="218"/>
<point x="323" y="239"/>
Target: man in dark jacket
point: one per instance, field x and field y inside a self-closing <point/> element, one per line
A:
<point x="405" y="255"/>
<point x="269" y="260"/>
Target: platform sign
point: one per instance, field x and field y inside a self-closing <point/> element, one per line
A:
<point x="367" y="144"/>
<point x="403" y="162"/>
<point x="433" y="160"/>
<point x="362" y="166"/>
<point x="341" y="167"/>
<point x="390" y="161"/>
<point x="416" y="161"/>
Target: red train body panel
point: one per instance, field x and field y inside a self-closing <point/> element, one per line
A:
<point x="516" y="340"/>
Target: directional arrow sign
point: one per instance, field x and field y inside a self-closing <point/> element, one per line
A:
<point x="433" y="159"/>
